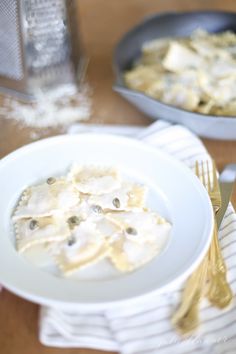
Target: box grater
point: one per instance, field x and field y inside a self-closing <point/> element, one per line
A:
<point x="39" y="45"/>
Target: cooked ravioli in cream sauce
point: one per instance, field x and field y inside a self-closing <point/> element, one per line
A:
<point x="86" y="216"/>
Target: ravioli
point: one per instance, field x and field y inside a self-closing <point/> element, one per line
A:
<point x="90" y="214"/>
<point x="196" y="73"/>
<point x="94" y="180"/>
<point x="139" y="226"/>
<point x="34" y="231"/>
<point x="127" y="256"/>
<point x="47" y="198"/>
<point x="154" y="51"/>
<point x="143" y="235"/>
<point x="129" y="195"/>
<point x="179" y="58"/>
<point x="141" y="77"/>
<point x="186" y="98"/>
<point x="221" y="90"/>
<point x="85" y="245"/>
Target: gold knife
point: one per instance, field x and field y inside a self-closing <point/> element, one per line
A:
<point x="227" y="179"/>
<point x="220" y="293"/>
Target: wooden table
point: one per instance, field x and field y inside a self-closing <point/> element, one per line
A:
<point x="103" y="22"/>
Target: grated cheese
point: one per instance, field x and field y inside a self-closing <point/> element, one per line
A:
<point x="57" y="108"/>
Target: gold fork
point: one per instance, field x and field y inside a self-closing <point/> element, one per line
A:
<point x="219" y="292"/>
<point x="186" y="318"/>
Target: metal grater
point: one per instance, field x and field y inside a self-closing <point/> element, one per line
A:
<point x="39" y="45"/>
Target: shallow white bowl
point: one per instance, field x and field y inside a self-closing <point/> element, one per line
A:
<point x="174" y="192"/>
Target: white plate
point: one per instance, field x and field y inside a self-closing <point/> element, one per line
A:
<point x="174" y="191"/>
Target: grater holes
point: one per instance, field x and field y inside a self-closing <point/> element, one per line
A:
<point x="47" y="37"/>
<point x="11" y="61"/>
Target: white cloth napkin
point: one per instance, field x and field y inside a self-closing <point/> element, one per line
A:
<point x="146" y="329"/>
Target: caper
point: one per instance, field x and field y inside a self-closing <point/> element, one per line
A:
<point x="97" y="209"/>
<point x="71" y="241"/>
<point x="73" y="220"/>
<point x="33" y="224"/>
<point x="116" y="202"/>
<point x="51" y="180"/>
<point x="131" y="231"/>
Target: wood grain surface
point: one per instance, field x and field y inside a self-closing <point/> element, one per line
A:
<point x="102" y="23"/>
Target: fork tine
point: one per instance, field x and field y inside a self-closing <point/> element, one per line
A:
<point x="208" y="176"/>
<point x="197" y="173"/>
<point x="215" y="179"/>
<point x="203" y="175"/>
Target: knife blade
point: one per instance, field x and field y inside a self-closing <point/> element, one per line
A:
<point x="227" y="179"/>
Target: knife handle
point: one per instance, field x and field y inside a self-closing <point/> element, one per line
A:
<point x="186" y="317"/>
<point x="190" y="319"/>
<point x="219" y="293"/>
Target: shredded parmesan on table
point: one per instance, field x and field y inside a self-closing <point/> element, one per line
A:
<point x="57" y="108"/>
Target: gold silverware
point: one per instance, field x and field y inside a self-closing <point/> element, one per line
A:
<point x="227" y="180"/>
<point x="219" y="293"/>
<point x="186" y="317"/>
<point x="212" y="268"/>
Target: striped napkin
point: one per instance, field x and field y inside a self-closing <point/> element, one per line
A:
<point x="146" y="328"/>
